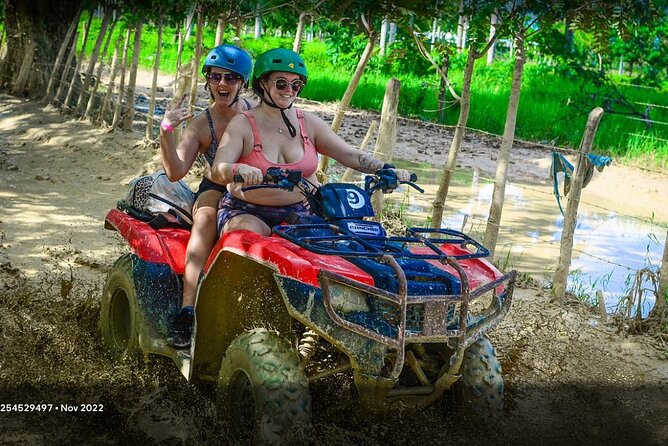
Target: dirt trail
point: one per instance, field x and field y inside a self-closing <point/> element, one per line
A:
<point x="569" y="378"/>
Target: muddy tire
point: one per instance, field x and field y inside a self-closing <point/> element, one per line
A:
<point x="262" y="392"/>
<point x="481" y="384"/>
<point x="118" y="318"/>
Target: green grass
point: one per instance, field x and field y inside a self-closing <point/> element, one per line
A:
<point x="551" y="107"/>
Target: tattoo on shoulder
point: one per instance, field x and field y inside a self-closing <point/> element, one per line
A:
<point x="369" y="164"/>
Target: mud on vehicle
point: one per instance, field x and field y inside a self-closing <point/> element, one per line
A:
<point x="404" y="316"/>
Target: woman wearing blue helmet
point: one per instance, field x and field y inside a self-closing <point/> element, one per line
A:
<point x="227" y="70"/>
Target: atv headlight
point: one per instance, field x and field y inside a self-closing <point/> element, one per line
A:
<point x="347" y="299"/>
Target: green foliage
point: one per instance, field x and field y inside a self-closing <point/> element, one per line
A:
<point x="560" y="86"/>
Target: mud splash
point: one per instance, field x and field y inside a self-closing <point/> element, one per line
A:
<point x="565" y="371"/>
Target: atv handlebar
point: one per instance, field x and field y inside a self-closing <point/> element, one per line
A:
<point x="287" y="179"/>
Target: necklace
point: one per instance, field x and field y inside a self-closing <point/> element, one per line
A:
<point x="278" y="127"/>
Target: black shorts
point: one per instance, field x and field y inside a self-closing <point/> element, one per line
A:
<point x="207" y="184"/>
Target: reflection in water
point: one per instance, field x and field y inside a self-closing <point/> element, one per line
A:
<point x="608" y="248"/>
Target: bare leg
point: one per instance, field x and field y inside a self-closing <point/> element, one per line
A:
<point x="203" y="237"/>
<point x="247" y="221"/>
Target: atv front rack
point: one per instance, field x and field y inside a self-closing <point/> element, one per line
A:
<point x="329" y="239"/>
<point x="446" y="317"/>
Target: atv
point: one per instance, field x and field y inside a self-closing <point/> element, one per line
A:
<point x="329" y="294"/>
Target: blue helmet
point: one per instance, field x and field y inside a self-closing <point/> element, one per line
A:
<point x="230" y="58"/>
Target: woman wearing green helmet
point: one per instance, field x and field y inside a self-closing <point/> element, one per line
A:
<point x="265" y="137"/>
<point x="227" y="69"/>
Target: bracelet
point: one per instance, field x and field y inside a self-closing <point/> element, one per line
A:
<point x="166" y="127"/>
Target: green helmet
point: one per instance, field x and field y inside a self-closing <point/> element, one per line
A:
<point x="278" y="59"/>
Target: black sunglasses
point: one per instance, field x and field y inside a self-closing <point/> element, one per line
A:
<point x="282" y="84"/>
<point x="230" y="78"/>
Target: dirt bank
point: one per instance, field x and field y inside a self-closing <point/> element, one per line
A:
<point x="569" y="378"/>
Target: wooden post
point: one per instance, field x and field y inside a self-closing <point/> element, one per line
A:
<point x="387" y="134"/>
<point x="112" y="79"/>
<point x="198" y="55"/>
<point x="98" y="74"/>
<point x="365" y="142"/>
<point x="61" y="55"/>
<point x="154" y="83"/>
<point x="660" y="306"/>
<point x="570" y="219"/>
<point x="75" y="75"/>
<point x="347" y="97"/>
<point x="601" y="306"/>
<point x="128" y="119"/>
<point x="24" y="72"/>
<point x="66" y="68"/>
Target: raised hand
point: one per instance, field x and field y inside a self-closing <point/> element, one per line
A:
<point x="174" y="117"/>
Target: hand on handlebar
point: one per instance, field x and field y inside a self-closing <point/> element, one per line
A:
<point x="402" y="175"/>
<point x="389" y="178"/>
<point x="248" y="175"/>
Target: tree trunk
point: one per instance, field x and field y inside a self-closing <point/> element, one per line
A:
<point x="309" y="35"/>
<point x="496" y="208"/>
<point x="121" y="85"/>
<point x="130" y="95"/>
<point x="220" y="30"/>
<point x="112" y="80"/>
<point x="98" y="74"/>
<point x="443" y="88"/>
<point x="196" y="61"/>
<point x="568" y="32"/>
<point x="189" y="24"/>
<point x="258" y="21"/>
<point x="348" y="174"/>
<point x="61" y="53"/>
<point x="560" y="277"/>
<point x="432" y="39"/>
<point x="93" y="60"/>
<point x="459" y="39"/>
<point x="75" y="75"/>
<point x="19" y="87"/>
<point x="42" y="23"/>
<point x="297" y="44"/>
<point x="348" y="95"/>
<point x="661" y="305"/>
<point x="449" y="168"/>
<point x="392" y="34"/>
<point x="66" y="68"/>
<point x="179" y="54"/>
<point x="494" y="20"/>
<point x="387" y="135"/>
<point x="383" y="37"/>
<point x="238" y="28"/>
<point x="154" y="85"/>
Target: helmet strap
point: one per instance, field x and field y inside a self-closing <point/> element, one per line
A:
<point x="291" y="128"/>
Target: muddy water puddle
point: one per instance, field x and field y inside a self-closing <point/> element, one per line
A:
<point x="609" y="245"/>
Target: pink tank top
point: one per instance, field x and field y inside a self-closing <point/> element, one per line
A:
<point x="308" y="164"/>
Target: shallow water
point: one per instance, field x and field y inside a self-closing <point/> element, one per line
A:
<point x="609" y="247"/>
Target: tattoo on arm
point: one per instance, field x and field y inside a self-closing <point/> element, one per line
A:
<point x="369" y="164"/>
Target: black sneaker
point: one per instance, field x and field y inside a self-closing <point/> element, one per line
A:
<point x="182" y="328"/>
